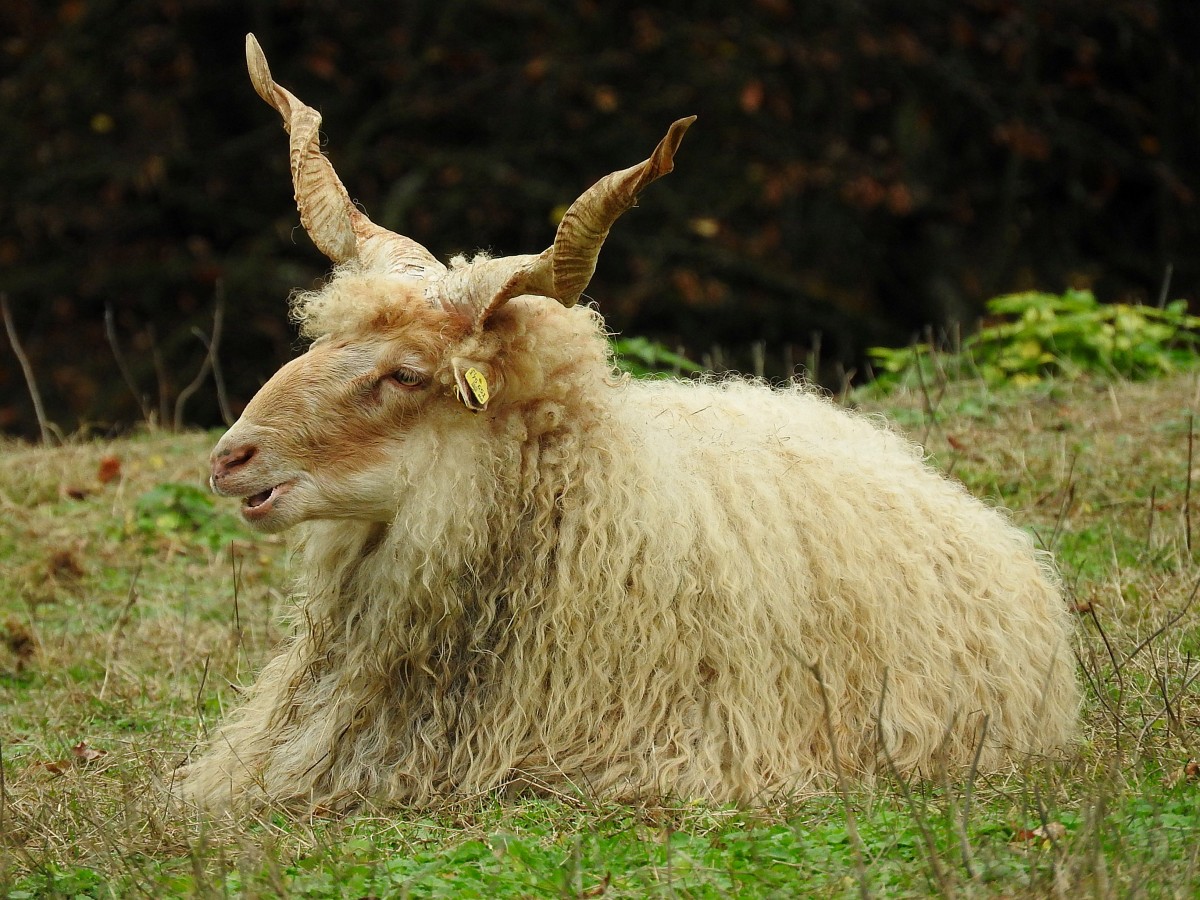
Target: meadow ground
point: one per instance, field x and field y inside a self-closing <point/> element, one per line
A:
<point x="132" y="606"/>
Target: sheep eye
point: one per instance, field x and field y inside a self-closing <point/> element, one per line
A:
<point x="406" y="377"/>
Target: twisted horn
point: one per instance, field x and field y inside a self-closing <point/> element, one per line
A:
<point x="586" y="224"/>
<point x="563" y="270"/>
<point x="339" y="229"/>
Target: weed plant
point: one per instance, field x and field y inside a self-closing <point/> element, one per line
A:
<point x="1033" y="335"/>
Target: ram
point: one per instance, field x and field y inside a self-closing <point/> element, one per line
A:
<point x="520" y="571"/>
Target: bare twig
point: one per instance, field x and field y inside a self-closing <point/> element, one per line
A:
<point x="200" y="692"/>
<point x="210" y="360"/>
<point x="667" y="832"/>
<point x="845" y="381"/>
<point x="943" y="882"/>
<point x="1187" y="485"/>
<point x="1150" y="517"/>
<point x="814" y="358"/>
<point x="758" y="358"/>
<point x="160" y="373"/>
<point x="110" y="331"/>
<point x="930" y="410"/>
<point x="237" y="613"/>
<point x="1096" y="817"/>
<point x="3" y="791"/>
<point x="1185" y="686"/>
<point x="964" y="842"/>
<point x="34" y="394"/>
<point x="185" y="395"/>
<point x="860" y="867"/>
<point x="1166" y="286"/>
<point x="114" y="638"/>
<point x="932" y="404"/>
<point x="1068" y="502"/>
<point x="1171" y="620"/>
<point x="218" y="376"/>
<point x="1117" y="667"/>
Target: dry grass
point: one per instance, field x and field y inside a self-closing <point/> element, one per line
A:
<point x="128" y="612"/>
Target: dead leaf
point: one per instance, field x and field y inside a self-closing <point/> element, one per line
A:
<point x="83" y="754"/>
<point x="109" y="470"/>
<point x="65" y="564"/>
<point x="1189" y="772"/>
<point x="1051" y="831"/>
<point x="19" y="640"/>
<point x="598" y="890"/>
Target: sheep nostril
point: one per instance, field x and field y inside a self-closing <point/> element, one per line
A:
<point x="233" y="459"/>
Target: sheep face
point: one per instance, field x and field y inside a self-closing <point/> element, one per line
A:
<point x="398" y="335"/>
<point x="316" y="440"/>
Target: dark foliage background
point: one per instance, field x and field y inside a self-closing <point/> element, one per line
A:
<point x="859" y="169"/>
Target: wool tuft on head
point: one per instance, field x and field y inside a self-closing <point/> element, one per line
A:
<point x="518" y="573"/>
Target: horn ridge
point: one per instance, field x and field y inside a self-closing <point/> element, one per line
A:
<point x="337" y="227"/>
<point x="563" y="270"/>
<point x="587" y="222"/>
<point x="325" y="206"/>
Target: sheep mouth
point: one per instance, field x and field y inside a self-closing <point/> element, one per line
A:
<point x="258" y="505"/>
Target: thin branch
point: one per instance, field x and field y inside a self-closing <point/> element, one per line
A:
<point x="814" y="358"/>
<point x="38" y="409"/>
<point x="964" y="840"/>
<point x="758" y="358"/>
<point x="860" y="867"/>
<point x="3" y="790"/>
<point x="110" y="331"/>
<point x="1067" y="503"/>
<point x="945" y="886"/>
<point x="160" y="373"/>
<point x="199" y="702"/>
<point x="1150" y="518"/>
<point x="210" y="360"/>
<point x="1161" y="629"/>
<point x="930" y="408"/>
<point x="239" y="635"/>
<point x="218" y="376"/>
<point x="1187" y="485"/>
<point x="114" y="639"/>
<point x="1166" y="286"/>
<point x="1117" y="667"/>
<point x="185" y="394"/>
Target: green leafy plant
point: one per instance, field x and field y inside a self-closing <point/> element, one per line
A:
<point x="178" y="510"/>
<point x="644" y="358"/>
<point x="1041" y="335"/>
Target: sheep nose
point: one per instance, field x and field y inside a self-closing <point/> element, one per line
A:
<point x="227" y="461"/>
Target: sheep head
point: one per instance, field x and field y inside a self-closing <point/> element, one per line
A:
<point x="399" y="336"/>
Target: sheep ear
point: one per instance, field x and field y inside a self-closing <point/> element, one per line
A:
<point x="472" y="384"/>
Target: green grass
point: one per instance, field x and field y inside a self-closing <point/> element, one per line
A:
<point x="130" y="610"/>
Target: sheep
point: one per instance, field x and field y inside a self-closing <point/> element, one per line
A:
<point x="519" y="571"/>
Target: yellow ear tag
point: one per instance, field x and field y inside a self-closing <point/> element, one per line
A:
<point x="478" y="385"/>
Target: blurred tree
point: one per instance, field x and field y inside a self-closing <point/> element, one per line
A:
<point x="859" y="169"/>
